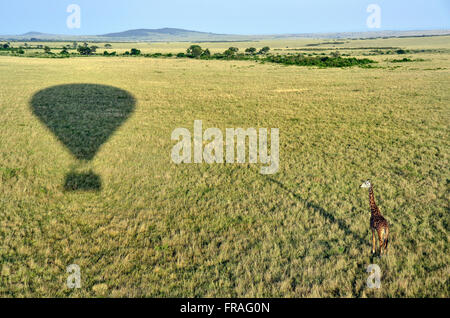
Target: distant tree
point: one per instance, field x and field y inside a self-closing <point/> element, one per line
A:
<point x="126" y="53"/>
<point x="25" y="44"/>
<point x="250" y="50"/>
<point x="194" y="51"/>
<point x="94" y="48"/>
<point x="135" y="52"/>
<point x="336" y="54"/>
<point x="206" y="53"/>
<point x="74" y="45"/>
<point x="229" y="53"/>
<point x="108" y="46"/>
<point x="84" y="49"/>
<point x="5" y="46"/>
<point x="39" y="46"/>
<point x="181" y="54"/>
<point x="234" y="49"/>
<point x="47" y="50"/>
<point x="109" y="54"/>
<point x="264" y="50"/>
<point x="64" y="51"/>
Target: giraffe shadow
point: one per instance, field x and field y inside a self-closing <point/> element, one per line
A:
<point x="324" y="213"/>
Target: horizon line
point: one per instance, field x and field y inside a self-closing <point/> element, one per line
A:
<point x="236" y="34"/>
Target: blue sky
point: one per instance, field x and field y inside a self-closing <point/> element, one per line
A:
<point x="229" y="16"/>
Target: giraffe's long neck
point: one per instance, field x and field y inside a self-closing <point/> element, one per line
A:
<point x="373" y="206"/>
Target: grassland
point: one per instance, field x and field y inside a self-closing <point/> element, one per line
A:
<point x="156" y="229"/>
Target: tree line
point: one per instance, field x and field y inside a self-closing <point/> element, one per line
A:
<point x="197" y="52"/>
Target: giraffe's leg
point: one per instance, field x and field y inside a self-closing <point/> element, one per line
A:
<point x="380" y="240"/>
<point x="386" y="240"/>
<point x="373" y="242"/>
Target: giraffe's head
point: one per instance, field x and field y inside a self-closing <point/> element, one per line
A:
<point x="366" y="184"/>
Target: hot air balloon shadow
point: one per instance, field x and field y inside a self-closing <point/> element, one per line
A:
<point x="82" y="117"/>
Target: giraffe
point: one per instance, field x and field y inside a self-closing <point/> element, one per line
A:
<point x="377" y="222"/>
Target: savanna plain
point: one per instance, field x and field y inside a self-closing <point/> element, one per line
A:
<point x="152" y="228"/>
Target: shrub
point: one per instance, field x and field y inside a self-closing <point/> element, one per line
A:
<point x="319" y="61"/>
<point x="335" y="54"/>
<point x="405" y="59"/>
<point x="250" y="50"/>
<point x="206" y="53"/>
<point x="194" y="51"/>
<point x="229" y="53"/>
<point x="84" y="49"/>
<point x="264" y="50"/>
<point x="135" y="52"/>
